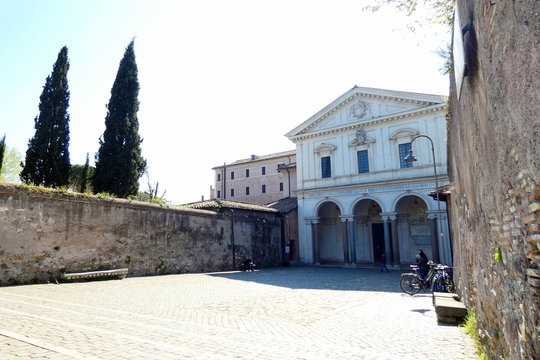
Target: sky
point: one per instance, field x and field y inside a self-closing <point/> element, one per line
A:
<point x="219" y="80"/>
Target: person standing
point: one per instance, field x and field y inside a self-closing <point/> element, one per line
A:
<point x="422" y="262"/>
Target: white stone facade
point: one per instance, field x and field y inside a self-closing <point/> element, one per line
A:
<point x="356" y="199"/>
<point x="257" y="180"/>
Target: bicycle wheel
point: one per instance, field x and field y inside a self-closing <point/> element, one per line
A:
<point x="449" y="284"/>
<point x="410" y="284"/>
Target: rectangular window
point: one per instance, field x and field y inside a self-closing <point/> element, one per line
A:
<point x="264" y="189"/>
<point x="247" y="190"/>
<point x="326" y="167"/>
<point x="232" y="175"/>
<point x="218" y="177"/>
<point x="404" y="151"/>
<point x="280" y="186"/>
<point x="363" y="162"/>
<point x="264" y="170"/>
<point x="232" y="192"/>
<point x="247" y="172"/>
<point x="219" y="194"/>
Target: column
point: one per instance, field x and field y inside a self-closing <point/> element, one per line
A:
<point x="315" y="241"/>
<point x="349" y="251"/>
<point x="352" y="240"/>
<point x="395" y="241"/>
<point x="434" y="238"/>
<point x="387" y="243"/>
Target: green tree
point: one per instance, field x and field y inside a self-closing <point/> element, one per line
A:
<point x="79" y="176"/>
<point x="11" y="166"/>
<point x="429" y="11"/>
<point x="2" y="150"/>
<point x="47" y="157"/>
<point x="119" y="163"/>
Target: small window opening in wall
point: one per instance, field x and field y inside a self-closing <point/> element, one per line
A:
<point x="264" y="189"/>
<point x="219" y="194"/>
<point x="280" y="186"/>
<point x="218" y="177"/>
<point x="232" y="192"/>
<point x="363" y="162"/>
<point x="247" y="173"/>
<point x="247" y="190"/>
<point x="232" y="175"/>
<point x="326" y="169"/>
<point x="264" y="170"/>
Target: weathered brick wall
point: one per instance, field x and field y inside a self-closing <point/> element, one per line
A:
<point x="46" y="233"/>
<point x="494" y="162"/>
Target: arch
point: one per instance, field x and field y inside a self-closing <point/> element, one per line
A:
<point x="401" y="133"/>
<point x="324" y="148"/>
<point x="317" y="207"/>
<point x="424" y="198"/>
<point x="372" y="198"/>
<point x="332" y="246"/>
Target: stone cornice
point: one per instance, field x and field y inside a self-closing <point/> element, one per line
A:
<point x="365" y="123"/>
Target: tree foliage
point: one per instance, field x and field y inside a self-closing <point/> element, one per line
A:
<point x="437" y="12"/>
<point x="119" y="163"/>
<point x="47" y="158"/>
<point x="11" y="165"/>
<point x="2" y="150"/>
<point x="80" y="175"/>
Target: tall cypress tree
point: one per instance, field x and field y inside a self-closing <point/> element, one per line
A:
<point x="119" y="163"/>
<point x="2" y="151"/>
<point x="47" y="157"/>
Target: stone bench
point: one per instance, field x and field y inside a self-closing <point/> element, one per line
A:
<point x="115" y="273"/>
<point x="448" y="309"/>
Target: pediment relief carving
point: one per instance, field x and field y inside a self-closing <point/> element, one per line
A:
<point x="324" y="148"/>
<point x="402" y="133"/>
<point x="360" y="109"/>
<point x="361" y="138"/>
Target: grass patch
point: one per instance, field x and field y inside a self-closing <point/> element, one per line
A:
<point x="470" y="325"/>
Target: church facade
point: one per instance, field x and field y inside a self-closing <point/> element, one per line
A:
<point x="359" y="201"/>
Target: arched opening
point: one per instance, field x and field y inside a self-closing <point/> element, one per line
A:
<point x="369" y="231"/>
<point x="415" y="230"/>
<point x="330" y="234"/>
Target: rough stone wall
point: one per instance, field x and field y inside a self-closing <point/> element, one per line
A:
<point x="494" y="158"/>
<point x="46" y="233"/>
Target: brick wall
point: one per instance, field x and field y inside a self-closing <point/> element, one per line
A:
<point x="494" y="165"/>
<point x="45" y="233"/>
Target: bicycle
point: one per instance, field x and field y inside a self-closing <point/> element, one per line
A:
<point x="437" y="279"/>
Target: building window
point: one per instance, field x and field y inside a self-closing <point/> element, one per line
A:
<point x="404" y="151"/>
<point x="247" y="172"/>
<point x="326" y="167"/>
<point x="264" y="189"/>
<point x="247" y="190"/>
<point x="232" y="175"/>
<point x="280" y="186"/>
<point x="218" y="177"/>
<point x="232" y="192"/>
<point x="363" y="162"/>
<point x="219" y="194"/>
<point x="264" y="170"/>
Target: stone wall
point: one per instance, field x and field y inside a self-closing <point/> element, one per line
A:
<point x="44" y="233"/>
<point x="494" y="162"/>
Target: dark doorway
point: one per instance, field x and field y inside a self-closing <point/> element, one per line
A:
<point x="377" y="232"/>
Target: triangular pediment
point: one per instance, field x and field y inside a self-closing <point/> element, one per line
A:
<point x="363" y="105"/>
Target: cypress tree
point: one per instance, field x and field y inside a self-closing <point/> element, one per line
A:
<point x="119" y="163"/>
<point x="2" y="151"/>
<point x="47" y="158"/>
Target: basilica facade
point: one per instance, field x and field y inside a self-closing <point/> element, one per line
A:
<point x="360" y="201"/>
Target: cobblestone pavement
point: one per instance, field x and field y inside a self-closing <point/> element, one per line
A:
<point x="285" y="313"/>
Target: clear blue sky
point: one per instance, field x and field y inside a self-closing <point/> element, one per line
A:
<point x="220" y="80"/>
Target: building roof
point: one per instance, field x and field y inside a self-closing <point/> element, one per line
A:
<point x="216" y="204"/>
<point x="284" y="205"/>
<point x="256" y="158"/>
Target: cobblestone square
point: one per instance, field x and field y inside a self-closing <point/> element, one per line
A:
<point x="283" y="313"/>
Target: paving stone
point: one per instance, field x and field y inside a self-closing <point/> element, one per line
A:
<point x="285" y="313"/>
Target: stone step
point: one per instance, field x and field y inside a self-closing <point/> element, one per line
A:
<point x="448" y="309"/>
<point x="114" y="273"/>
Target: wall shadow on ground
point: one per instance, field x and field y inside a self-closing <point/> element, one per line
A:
<point x="321" y="278"/>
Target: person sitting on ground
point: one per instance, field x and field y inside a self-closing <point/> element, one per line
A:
<point x="249" y="265"/>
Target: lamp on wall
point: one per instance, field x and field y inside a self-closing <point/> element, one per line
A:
<point x="411" y="158"/>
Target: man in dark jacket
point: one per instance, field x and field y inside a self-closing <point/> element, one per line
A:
<point x="422" y="262"/>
